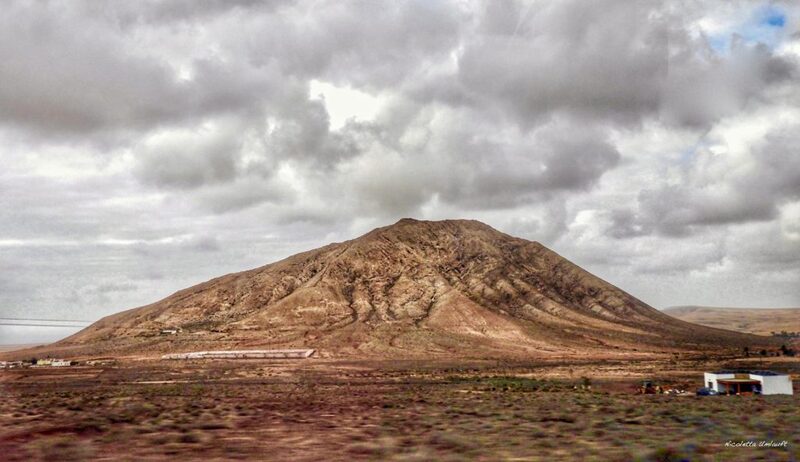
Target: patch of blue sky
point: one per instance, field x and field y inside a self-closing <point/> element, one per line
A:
<point x="773" y="17"/>
<point x="764" y="25"/>
<point x="719" y="43"/>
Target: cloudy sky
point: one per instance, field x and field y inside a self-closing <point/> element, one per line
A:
<point x="147" y="146"/>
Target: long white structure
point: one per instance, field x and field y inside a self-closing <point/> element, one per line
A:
<point x="747" y="382"/>
<point x="242" y="354"/>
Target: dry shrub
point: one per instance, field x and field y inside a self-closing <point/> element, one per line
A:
<point x="63" y="448"/>
<point x="450" y="442"/>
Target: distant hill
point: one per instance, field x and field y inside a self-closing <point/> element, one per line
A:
<point x="454" y="288"/>
<point x="18" y="346"/>
<point x="760" y="321"/>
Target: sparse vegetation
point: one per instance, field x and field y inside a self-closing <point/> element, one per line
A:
<point x="786" y="335"/>
<point x="387" y="411"/>
<point x="787" y="351"/>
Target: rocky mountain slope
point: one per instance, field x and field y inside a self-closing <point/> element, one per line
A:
<point x="452" y="288"/>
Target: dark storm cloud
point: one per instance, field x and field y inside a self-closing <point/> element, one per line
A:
<point x="242" y="194"/>
<point x="205" y="244"/>
<point x="189" y="159"/>
<point x="701" y="91"/>
<point x="673" y="209"/>
<point x="63" y="72"/>
<point x="606" y="57"/>
<point x="545" y="225"/>
<point x="302" y="132"/>
<point x="575" y="158"/>
<point x="157" y="11"/>
<point x="33" y="208"/>
<point x="560" y="157"/>
<point x="368" y="44"/>
<point x="624" y="224"/>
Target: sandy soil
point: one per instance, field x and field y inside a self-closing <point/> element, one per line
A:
<point x="392" y="410"/>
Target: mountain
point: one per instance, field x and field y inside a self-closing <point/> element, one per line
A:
<point x="759" y="321"/>
<point x="416" y="289"/>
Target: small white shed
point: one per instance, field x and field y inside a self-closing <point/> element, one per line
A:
<point x="748" y="382"/>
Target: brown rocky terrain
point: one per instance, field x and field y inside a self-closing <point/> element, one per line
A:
<point x="390" y="410"/>
<point x="452" y="288"/>
<point x="759" y="321"/>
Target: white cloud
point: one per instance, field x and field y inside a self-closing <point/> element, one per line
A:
<point x="345" y="103"/>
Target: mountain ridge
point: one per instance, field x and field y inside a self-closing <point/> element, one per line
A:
<point x="412" y="289"/>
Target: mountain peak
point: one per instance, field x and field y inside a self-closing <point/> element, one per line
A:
<point x="460" y="222"/>
<point x="412" y="289"/>
<point x="449" y="226"/>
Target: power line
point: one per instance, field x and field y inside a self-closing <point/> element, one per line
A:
<point x="46" y="320"/>
<point x="39" y="325"/>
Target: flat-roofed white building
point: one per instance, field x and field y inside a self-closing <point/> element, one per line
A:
<point x="736" y="382"/>
<point x="242" y="354"/>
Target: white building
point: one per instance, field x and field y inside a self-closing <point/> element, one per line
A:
<point x="61" y="363"/>
<point x="748" y="382"/>
<point x="242" y="354"/>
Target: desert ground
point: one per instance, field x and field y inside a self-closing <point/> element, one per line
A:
<point x="321" y="409"/>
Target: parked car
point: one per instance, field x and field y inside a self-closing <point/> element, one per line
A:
<point x="705" y="391"/>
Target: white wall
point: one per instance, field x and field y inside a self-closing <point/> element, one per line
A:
<point x="776" y="385"/>
<point x="710" y="377"/>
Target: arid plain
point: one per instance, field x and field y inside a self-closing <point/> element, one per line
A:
<point x="390" y="410"/>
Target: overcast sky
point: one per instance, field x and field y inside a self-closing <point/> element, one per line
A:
<point x="147" y="146"/>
